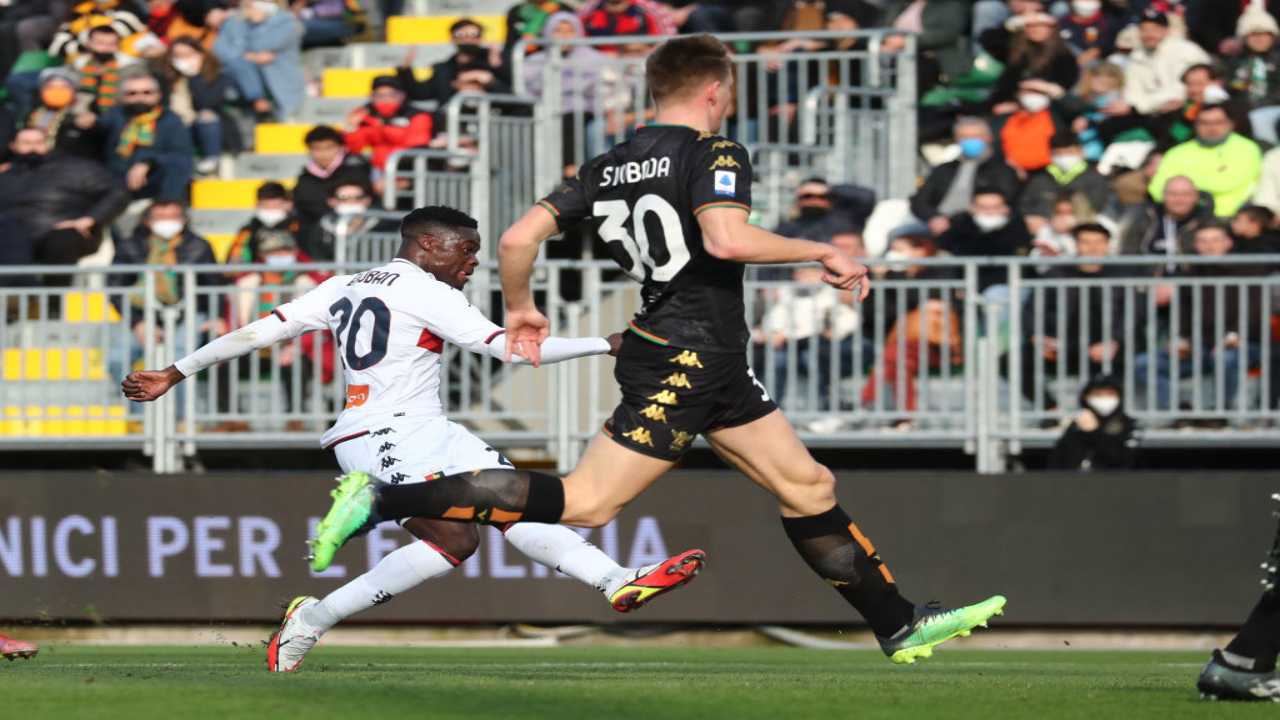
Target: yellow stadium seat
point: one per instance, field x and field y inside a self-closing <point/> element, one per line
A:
<point x="358" y="82"/>
<point x="221" y="244"/>
<point x="88" y="307"/>
<point x="76" y="425"/>
<point x="227" y="194"/>
<point x="280" y="138"/>
<point x="434" y="30"/>
<point x="53" y="422"/>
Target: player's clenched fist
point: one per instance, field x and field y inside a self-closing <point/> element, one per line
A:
<point x="147" y="385"/>
<point x="845" y="273"/>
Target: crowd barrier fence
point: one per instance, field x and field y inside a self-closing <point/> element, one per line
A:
<point x="955" y="357"/>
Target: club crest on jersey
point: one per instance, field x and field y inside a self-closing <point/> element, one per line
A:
<point x="726" y="183"/>
<point x="634" y="172"/>
<point x="725" y="161"/>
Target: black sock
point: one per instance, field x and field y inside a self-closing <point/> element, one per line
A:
<point x="1259" y="638"/>
<point x="490" y="497"/>
<point x="834" y="547"/>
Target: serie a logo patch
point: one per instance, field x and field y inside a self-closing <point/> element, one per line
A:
<point x="726" y="183"/>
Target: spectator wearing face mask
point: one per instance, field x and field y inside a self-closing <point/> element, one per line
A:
<point x="1028" y="131"/>
<point x="1256" y="72"/>
<point x="813" y="216"/>
<point x="1252" y="231"/>
<point x="198" y="91"/>
<point x="63" y="202"/>
<point x="387" y="124"/>
<point x="1089" y="31"/>
<point x="348" y="204"/>
<point x="1101" y="436"/>
<point x="1068" y="173"/>
<point x="474" y="67"/>
<point x="1153" y="74"/>
<point x="1036" y="53"/>
<point x="272" y="217"/>
<point x="328" y="166"/>
<point x="948" y="189"/>
<point x="260" y="47"/>
<point x="163" y="240"/>
<point x="64" y="118"/>
<point x="101" y="68"/>
<point x="148" y="147"/>
<point x="1219" y="161"/>
<point x="989" y="228"/>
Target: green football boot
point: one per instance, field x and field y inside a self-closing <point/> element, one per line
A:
<point x="352" y="514"/>
<point x="934" y="625"/>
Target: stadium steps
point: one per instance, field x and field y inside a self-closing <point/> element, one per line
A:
<point x="268" y="166"/>
<point x="59" y="386"/>
<point x="357" y="82"/>
<point x="367" y="55"/>
<point x="434" y="29"/>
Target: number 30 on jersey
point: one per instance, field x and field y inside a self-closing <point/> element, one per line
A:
<point x="656" y="261"/>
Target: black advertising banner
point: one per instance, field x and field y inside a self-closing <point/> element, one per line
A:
<point x="1136" y="549"/>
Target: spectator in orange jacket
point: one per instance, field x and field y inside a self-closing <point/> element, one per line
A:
<point x="387" y="124"/>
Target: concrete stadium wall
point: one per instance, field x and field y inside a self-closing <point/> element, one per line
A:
<point x="1068" y="550"/>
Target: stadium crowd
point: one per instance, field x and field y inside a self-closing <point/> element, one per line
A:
<point x="1083" y="128"/>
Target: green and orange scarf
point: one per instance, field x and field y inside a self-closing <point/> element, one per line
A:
<point x="140" y="132"/>
<point x="101" y="81"/>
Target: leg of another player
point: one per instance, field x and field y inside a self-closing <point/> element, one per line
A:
<point x="605" y="480"/>
<point x="769" y="452"/>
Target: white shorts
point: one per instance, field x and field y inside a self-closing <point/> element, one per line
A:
<point x="417" y="451"/>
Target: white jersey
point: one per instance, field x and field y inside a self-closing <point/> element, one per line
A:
<point x="390" y="325"/>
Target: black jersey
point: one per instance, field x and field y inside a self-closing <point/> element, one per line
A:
<point x="643" y="198"/>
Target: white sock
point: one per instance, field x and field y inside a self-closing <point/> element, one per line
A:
<point x="399" y="571"/>
<point x="558" y="547"/>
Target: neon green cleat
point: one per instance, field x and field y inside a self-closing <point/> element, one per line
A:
<point x="934" y="625"/>
<point x="352" y="513"/>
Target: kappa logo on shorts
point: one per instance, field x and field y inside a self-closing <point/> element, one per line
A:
<point x="687" y="358"/>
<point x="398" y="478"/>
<point x="665" y="397"/>
<point x="657" y="413"/>
<point x="639" y="435"/>
<point x="388" y="461"/>
<point x="725" y="161"/>
<point x="680" y="380"/>
<point x="385" y="447"/>
<point x="680" y="440"/>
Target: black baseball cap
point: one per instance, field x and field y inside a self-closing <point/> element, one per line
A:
<point x="1151" y="15"/>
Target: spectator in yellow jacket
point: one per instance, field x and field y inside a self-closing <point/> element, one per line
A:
<point x="1218" y="160"/>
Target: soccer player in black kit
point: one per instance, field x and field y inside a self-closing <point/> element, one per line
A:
<point x="672" y="203"/>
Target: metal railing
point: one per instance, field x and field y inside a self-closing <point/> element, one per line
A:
<point x="927" y="360"/>
<point x="854" y="102"/>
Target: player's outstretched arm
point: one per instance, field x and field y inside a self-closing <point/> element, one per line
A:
<point x="558" y="349"/>
<point x="727" y="235"/>
<point x="148" y="385"/>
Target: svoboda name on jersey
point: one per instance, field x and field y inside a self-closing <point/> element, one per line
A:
<point x="634" y="172"/>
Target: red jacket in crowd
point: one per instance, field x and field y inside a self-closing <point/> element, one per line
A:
<point x="405" y="128"/>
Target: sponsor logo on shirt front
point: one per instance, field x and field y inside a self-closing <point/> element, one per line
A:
<point x="357" y="395"/>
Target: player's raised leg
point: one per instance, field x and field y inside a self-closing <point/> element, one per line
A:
<point x="768" y="451"/>
<point x="606" y="479"/>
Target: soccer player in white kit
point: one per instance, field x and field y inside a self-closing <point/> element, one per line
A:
<point x="390" y="325"/>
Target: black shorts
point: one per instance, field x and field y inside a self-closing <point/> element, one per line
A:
<point x="671" y="395"/>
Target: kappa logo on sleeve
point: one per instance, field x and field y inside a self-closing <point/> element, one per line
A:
<point x="725" y="161"/>
<point x="726" y="183"/>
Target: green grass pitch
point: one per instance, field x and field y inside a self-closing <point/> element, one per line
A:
<point x="608" y="683"/>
